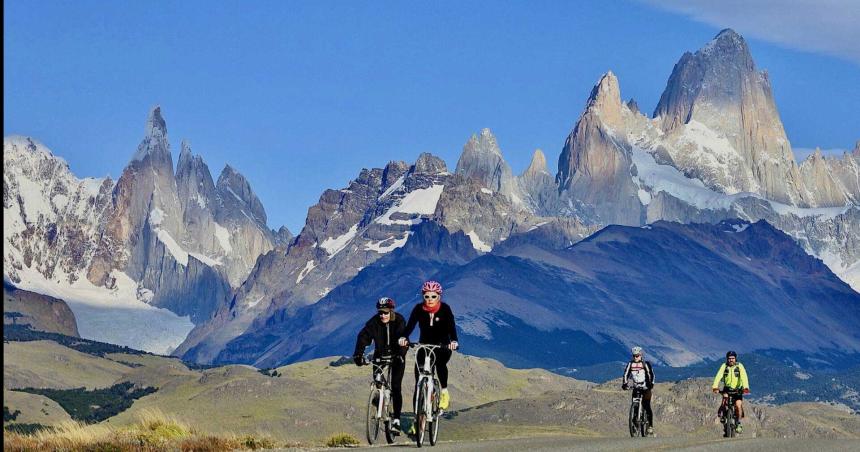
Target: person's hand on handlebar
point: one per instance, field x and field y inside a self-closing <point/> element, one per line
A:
<point x="403" y="342"/>
<point x="358" y="360"/>
<point x="453" y="345"/>
<point x="746" y="391"/>
<point x="716" y="390"/>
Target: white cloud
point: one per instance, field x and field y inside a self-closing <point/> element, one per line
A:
<point x="831" y="27"/>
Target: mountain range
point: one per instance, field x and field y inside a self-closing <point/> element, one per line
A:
<point x="677" y="231"/>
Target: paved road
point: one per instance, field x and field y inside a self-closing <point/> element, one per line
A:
<point x="557" y="443"/>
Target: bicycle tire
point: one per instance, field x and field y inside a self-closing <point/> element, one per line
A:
<point x="389" y="412"/>
<point x="372" y="426"/>
<point x="631" y="420"/>
<point x="434" y="425"/>
<point x="420" y="416"/>
<point x="730" y="421"/>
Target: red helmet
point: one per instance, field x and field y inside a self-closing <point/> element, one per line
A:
<point x="432" y="286"/>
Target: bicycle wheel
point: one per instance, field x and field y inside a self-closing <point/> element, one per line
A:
<point x="420" y="415"/>
<point x="631" y="419"/>
<point x="372" y="420"/>
<point x="730" y="422"/>
<point x="389" y="410"/>
<point x="434" y="424"/>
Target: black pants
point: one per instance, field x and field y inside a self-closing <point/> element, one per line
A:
<point x="646" y="404"/>
<point x="398" y="367"/>
<point x="441" y="363"/>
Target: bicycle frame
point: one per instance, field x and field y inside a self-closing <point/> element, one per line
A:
<point x="426" y="373"/>
<point x="382" y="380"/>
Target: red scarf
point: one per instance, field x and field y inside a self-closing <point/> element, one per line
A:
<point x="432" y="310"/>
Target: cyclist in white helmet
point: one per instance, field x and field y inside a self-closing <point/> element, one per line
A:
<point x="641" y="374"/>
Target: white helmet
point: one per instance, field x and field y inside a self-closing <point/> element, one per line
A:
<point x="636" y="350"/>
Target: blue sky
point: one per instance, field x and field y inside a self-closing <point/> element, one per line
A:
<point x="299" y="96"/>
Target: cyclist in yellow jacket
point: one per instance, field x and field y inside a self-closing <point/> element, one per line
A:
<point x="734" y="378"/>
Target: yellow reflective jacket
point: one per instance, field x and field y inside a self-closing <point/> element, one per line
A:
<point x="734" y="377"/>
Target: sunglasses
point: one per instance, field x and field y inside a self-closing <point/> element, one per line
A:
<point x="384" y="312"/>
<point x="431" y="297"/>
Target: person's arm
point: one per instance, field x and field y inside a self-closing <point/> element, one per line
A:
<point x="649" y="375"/>
<point x="452" y="328"/>
<point x="410" y="325"/>
<point x="719" y="376"/>
<point x="626" y="376"/>
<point x="745" y="383"/>
<point x="364" y="339"/>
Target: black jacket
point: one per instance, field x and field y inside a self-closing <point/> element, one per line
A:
<point x="441" y="330"/>
<point x="383" y="335"/>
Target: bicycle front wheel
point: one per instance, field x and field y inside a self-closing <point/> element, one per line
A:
<point x="434" y="424"/>
<point x="372" y="418"/>
<point x="389" y="416"/>
<point x="631" y="420"/>
<point x="420" y="414"/>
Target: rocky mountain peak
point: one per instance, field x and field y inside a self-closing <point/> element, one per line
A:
<point x="633" y="106"/>
<point x="155" y="123"/>
<point x="155" y="142"/>
<point x="430" y="164"/>
<point x="856" y="151"/>
<point x="537" y="165"/>
<point x="482" y="160"/>
<point x="605" y="99"/>
<point x="232" y="184"/>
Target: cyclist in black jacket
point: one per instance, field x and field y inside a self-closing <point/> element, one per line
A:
<point x="383" y="330"/>
<point x="436" y="321"/>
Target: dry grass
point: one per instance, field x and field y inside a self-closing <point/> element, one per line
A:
<point x="153" y="431"/>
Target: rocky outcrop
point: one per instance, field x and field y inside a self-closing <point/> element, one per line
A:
<point x="538" y="187"/>
<point x="40" y="312"/>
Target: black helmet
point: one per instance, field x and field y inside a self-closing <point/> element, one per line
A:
<point x="385" y="304"/>
<point x="731" y="353"/>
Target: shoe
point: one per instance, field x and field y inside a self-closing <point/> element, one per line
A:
<point x="650" y="431"/>
<point x="412" y="429"/>
<point x="739" y="428"/>
<point x="395" y="426"/>
<point x="444" y="399"/>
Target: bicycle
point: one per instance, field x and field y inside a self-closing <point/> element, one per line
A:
<point x="636" y="419"/>
<point x="427" y="390"/>
<point x="379" y="407"/>
<point x="727" y="418"/>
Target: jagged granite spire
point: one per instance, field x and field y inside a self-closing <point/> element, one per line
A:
<point x="233" y="185"/>
<point x="482" y="159"/>
<point x="719" y="92"/>
<point x="155" y="141"/>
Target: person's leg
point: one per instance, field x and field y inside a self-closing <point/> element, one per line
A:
<point x="646" y="403"/>
<point x="442" y="357"/>
<point x="397" y="369"/>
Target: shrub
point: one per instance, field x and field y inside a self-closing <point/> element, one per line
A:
<point x="342" y="440"/>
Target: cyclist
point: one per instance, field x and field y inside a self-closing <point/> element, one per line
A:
<point x="734" y="377"/>
<point x="383" y="329"/>
<point x="640" y="372"/>
<point x="436" y="321"/>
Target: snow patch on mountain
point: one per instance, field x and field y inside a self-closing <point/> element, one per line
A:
<point x="388" y="245"/>
<point x="308" y="267"/>
<point x="223" y="236"/>
<point x="334" y="245"/>
<point x="421" y="201"/>
<point x="477" y="243"/>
